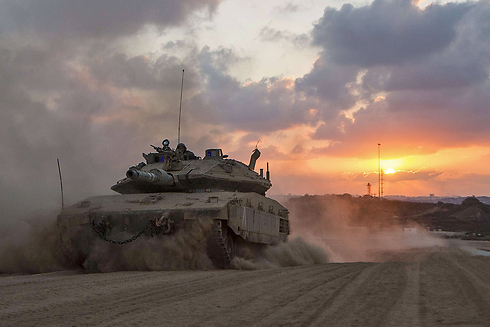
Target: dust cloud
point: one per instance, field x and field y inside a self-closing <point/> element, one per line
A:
<point x="324" y="229"/>
<point x="295" y="252"/>
<point x="31" y="245"/>
<point x="182" y="250"/>
<point x="355" y="230"/>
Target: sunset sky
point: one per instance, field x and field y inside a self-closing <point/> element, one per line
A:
<point x="317" y="84"/>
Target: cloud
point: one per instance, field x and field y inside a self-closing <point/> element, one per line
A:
<point x="267" y="105"/>
<point x="288" y="8"/>
<point x="387" y="32"/>
<point x="272" y="35"/>
<point x="97" y="19"/>
<point x="330" y="84"/>
<point x="423" y="174"/>
<point x="414" y="103"/>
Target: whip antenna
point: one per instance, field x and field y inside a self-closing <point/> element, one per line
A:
<point x="180" y="106"/>
<point x="61" y="184"/>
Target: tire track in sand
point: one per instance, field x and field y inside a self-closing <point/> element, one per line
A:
<point x="406" y="311"/>
<point x="452" y="294"/>
<point x="368" y="298"/>
<point x="242" y="301"/>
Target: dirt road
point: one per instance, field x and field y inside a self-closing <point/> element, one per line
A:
<point x="434" y="287"/>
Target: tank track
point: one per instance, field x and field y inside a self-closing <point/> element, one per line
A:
<point x="216" y="247"/>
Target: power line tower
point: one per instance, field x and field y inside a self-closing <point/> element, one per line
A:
<point x="379" y="170"/>
<point x="381" y="183"/>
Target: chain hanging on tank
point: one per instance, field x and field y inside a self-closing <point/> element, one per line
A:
<point x="101" y="233"/>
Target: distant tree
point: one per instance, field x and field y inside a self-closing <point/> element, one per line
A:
<point x="471" y="202"/>
<point x="346" y="195"/>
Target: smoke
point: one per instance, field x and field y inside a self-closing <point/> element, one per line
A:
<point x="353" y="230"/>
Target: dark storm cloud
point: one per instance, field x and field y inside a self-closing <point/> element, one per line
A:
<point x="330" y="84"/>
<point x="141" y="72"/>
<point x="386" y="32"/>
<point x="95" y="19"/>
<point x="433" y="96"/>
<point x="464" y="62"/>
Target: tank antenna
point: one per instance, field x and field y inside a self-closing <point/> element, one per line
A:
<point x="61" y="184"/>
<point x="180" y="106"/>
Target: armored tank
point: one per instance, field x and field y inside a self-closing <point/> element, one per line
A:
<point x="174" y="189"/>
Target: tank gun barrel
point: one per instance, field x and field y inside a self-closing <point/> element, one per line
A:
<point x="154" y="176"/>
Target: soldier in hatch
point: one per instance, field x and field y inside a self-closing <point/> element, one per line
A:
<point x="165" y="147"/>
<point x="184" y="153"/>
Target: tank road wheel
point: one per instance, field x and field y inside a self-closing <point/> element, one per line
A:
<point x="231" y="244"/>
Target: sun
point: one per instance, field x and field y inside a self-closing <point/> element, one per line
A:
<point x="390" y="171"/>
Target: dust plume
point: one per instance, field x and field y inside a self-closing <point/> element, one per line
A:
<point x="32" y="245"/>
<point x="295" y="252"/>
<point x="355" y="229"/>
<point x="185" y="249"/>
<point x="324" y="229"/>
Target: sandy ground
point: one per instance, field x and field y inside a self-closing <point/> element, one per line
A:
<point x="431" y="287"/>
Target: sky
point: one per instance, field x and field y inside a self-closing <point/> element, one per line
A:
<point x="317" y="85"/>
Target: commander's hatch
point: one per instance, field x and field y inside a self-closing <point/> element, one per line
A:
<point x="214" y="154"/>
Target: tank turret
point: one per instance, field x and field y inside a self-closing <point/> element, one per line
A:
<point x="179" y="170"/>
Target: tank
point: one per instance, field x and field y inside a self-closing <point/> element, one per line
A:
<point x="174" y="189"/>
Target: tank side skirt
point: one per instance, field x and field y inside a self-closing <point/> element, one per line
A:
<point x="255" y="225"/>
